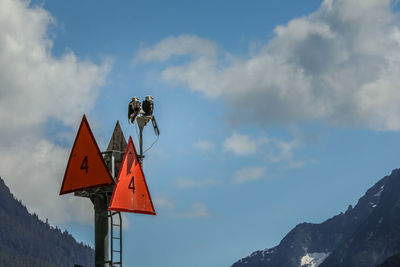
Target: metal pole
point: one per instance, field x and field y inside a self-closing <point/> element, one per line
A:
<point x="141" y="121"/>
<point x="113" y="165"/>
<point x="141" y="145"/>
<point x="100" y="230"/>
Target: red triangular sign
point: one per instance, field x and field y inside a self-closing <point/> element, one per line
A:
<point x="131" y="193"/>
<point x="86" y="167"/>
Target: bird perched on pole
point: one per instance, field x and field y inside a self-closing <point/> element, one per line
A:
<point x="134" y="109"/>
<point x="148" y="105"/>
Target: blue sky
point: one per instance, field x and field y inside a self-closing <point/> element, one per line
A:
<point x="271" y="113"/>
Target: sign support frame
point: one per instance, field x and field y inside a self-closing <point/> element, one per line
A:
<point x="100" y="198"/>
<point x="101" y="194"/>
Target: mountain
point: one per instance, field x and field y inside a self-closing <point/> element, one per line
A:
<point x="363" y="236"/>
<point x="25" y="240"/>
<point x="393" y="261"/>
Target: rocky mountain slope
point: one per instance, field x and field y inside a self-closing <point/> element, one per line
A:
<point x="363" y="236"/>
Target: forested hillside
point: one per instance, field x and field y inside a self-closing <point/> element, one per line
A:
<point x="25" y="240"/>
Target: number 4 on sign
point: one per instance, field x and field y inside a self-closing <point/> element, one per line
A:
<point x="78" y="175"/>
<point x="131" y="193"/>
<point x="132" y="185"/>
<point x="84" y="165"/>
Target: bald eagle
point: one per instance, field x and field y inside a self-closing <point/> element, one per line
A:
<point x="148" y="106"/>
<point x="133" y="109"/>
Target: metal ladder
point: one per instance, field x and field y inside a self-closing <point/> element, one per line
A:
<point x="114" y="225"/>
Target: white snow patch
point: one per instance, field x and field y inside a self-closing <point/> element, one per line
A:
<point x="264" y="253"/>
<point x="378" y="194"/>
<point x="268" y="251"/>
<point x="313" y="259"/>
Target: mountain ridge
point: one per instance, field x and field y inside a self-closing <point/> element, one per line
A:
<point x="327" y="244"/>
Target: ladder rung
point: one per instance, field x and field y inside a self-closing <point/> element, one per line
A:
<point x="119" y="263"/>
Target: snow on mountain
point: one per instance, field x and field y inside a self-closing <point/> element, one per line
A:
<point x="313" y="259"/>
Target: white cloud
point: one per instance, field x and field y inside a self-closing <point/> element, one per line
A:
<point x="164" y="203"/>
<point x="36" y="87"/>
<point x="195" y="183"/>
<point x="296" y="164"/>
<point x="249" y="174"/>
<point x="178" y="46"/>
<point x="339" y="64"/>
<point x="243" y="145"/>
<point x="204" y="145"/>
<point x="282" y="151"/>
<point x="197" y="210"/>
<point x="273" y="150"/>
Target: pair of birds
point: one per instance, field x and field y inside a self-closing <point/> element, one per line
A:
<point x="135" y="108"/>
<point x="146" y="109"/>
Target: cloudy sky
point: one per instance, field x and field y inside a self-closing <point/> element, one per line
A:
<point x="271" y="113"/>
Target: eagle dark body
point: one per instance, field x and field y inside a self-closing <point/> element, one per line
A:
<point x="148" y="107"/>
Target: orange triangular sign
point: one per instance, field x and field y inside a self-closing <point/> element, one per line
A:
<point x="131" y="193"/>
<point x="86" y="167"/>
